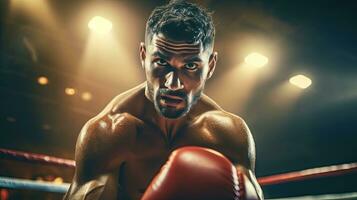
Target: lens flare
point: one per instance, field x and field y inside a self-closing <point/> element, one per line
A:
<point x="42" y="80"/>
<point x="70" y="91"/>
<point x="86" y="96"/>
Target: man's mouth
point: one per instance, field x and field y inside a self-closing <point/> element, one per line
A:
<point x="171" y="100"/>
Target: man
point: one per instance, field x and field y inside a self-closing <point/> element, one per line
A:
<point x="210" y="152"/>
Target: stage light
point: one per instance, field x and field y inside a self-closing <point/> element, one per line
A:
<point x="86" y="96"/>
<point x="256" y="60"/>
<point x="42" y="80"/>
<point x="100" y="25"/>
<point x="300" y="81"/>
<point x="70" y="91"/>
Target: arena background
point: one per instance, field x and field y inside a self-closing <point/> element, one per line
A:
<point x="294" y="128"/>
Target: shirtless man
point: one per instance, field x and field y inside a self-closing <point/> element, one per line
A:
<point x="121" y="152"/>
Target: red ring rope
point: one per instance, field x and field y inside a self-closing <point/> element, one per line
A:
<point x="308" y="173"/>
<point x="36" y="158"/>
<point x="268" y="180"/>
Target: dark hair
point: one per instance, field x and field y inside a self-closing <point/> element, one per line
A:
<point x="180" y="17"/>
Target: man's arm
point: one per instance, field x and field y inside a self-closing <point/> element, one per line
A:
<point x="237" y="144"/>
<point x="99" y="153"/>
<point x="248" y="157"/>
<point x="102" y="187"/>
<point x="234" y="140"/>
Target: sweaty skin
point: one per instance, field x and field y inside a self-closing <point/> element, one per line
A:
<point x="119" y="151"/>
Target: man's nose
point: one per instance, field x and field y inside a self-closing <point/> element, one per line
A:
<point x="173" y="81"/>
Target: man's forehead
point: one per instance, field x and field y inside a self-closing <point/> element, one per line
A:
<point x="164" y="44"/>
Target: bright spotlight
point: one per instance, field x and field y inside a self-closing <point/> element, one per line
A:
<point x="300" y="81"/>
<point x="256" y="60"/>
<point x="100" y="25"/>
<point x="42" y="80"/>
<point x="70" y="91"/>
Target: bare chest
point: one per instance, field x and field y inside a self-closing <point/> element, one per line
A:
<point x="152" y="149"/>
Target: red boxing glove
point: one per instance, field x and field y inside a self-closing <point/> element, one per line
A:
<point x="200" y="174"/>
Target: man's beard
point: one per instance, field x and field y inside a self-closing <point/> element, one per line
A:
<point x="173" y="112"/>
<point x="168" y="111"/>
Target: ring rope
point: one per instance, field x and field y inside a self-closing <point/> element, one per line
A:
<point x="36" y="158"/>
<point x="308" y="173"/>
<point x="14" y="183"/>
<point x="267" y="180"/>
<point x="343" y="196"/>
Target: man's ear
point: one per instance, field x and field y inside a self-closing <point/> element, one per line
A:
<point x="142" y="51"/>
<point x="212" y="64"/>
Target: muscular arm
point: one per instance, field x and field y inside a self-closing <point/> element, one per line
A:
<point x="100" y="150"/>
<point x="248" y="157"/>
<point x="235" y="142"/>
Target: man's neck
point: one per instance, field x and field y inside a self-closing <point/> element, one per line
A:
<point x="168" y="126"/>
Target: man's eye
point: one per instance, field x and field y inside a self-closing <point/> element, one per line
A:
<point x="161" y="62"/>
<point x="191" y="66"/>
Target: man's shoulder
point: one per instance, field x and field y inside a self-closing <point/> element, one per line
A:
<point x="115" y="122"/>
<point x="221" y="119"/>
<point x="108" y="128"/>
<point x="224" y="125"/>
<point x="110" y="124"/>
<point x="104" y="143"/>
<point x="231" y="133"/>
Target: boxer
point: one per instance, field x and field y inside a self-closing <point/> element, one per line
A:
<point x="165" y="139"/>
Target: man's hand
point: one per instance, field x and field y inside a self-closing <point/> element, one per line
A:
<point x="200" y="173"/>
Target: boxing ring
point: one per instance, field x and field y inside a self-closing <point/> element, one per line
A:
<point x="18" y="184"/>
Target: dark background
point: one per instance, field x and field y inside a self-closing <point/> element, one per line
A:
<point x="296" y="130"/>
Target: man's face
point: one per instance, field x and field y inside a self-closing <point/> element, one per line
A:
<point x="176" y="72"/>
